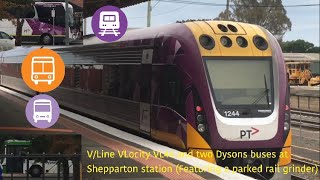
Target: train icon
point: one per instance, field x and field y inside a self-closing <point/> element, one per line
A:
<point x="42" y="110"/>
<point x="42" y="69"/>
<point x="109" y="23"/>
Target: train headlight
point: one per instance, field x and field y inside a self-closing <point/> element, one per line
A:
<point x="241" y="41"/>
<point x="222" y="28"/>
<point x="286" y="117"/>
<point x="206" y="42"/>
<point x="35" y="76"/>
<point x="49" y="76"/>
<point x="225" y="41"/>
<point x="260" y="43"/>
<point x="200" y="118"/>
<point x="286" y="126"/>
<point x="201" y="128"/>
<point x="232" y="28"/>
<point x="287" y="108"/>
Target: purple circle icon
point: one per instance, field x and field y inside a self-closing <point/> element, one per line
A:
<point x="42" y="111"/>
<point x="109" y="23"/>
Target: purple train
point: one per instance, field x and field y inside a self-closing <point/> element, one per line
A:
<point x="204" y="87"/>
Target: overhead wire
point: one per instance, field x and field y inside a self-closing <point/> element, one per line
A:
<point x="176" y="9"/>
<point x="221" y="4"/>
<point x="188" y="2"/>
<point x="155" y="5"/>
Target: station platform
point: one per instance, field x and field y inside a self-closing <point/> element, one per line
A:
<point x="108" y="152"/>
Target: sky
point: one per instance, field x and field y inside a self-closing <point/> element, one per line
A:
<point x="305" y="20"/>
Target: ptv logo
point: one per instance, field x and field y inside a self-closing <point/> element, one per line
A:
<point x="249" y="132"/>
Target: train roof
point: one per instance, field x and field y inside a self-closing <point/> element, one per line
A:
<point x="94" y="50"/>
<point x="143" y="33"/>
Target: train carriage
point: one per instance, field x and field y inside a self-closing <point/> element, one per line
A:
<point x="206" y="87"/>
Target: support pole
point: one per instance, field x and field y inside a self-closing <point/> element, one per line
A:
<point x="149" y="14"/>
<point x="67" y="22"/>
<point x="53" y="31"/>
<point x="227" y="10"/>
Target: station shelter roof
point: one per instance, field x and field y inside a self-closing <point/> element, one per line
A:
<point x="311" y="57"/>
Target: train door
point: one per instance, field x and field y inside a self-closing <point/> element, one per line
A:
<point x="145" y="90"/>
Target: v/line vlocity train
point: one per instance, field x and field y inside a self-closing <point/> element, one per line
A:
<point x="204" y="87"/>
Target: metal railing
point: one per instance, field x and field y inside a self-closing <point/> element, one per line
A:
<point x="305" y="95"/>
<point x="304" y="112"/>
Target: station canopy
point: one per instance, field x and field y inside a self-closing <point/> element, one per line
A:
<point x="90" y="6"/>
<point x="309" y="57"/>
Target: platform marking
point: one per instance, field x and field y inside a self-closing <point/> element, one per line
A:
<point x="35" y="129"/>
<point x="192" y="161"/>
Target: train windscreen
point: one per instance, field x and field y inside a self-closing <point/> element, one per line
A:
<point x="244" y="85"/>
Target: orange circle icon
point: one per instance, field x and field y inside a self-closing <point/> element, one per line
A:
<point x="43" y="70"/>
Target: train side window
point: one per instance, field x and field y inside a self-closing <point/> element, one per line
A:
<point x="110" y="81"/>
<point x="129" y="76"/>
<point x="122" y="81"/>
<point x="171" y="90"/>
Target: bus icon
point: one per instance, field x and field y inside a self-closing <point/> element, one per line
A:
<point x="42" y="69"/>
<point x="42" y="110"/>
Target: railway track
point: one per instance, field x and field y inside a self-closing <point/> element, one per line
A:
<point x="305" y="112"/>
<point x="307" y="162"/>
<point x="295" y="177"/>
<point x="305" y="119"/>
<point x="301" y="160"/>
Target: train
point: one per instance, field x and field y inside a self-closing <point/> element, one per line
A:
<point x="202" y="87"/>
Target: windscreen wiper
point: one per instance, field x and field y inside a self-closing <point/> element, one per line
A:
<point x="266" y="89"/>
<point x="265" y="92"/>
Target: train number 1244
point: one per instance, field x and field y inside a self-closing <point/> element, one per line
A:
<point x="231" y="113"/>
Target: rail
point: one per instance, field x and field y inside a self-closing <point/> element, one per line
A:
<point x="295" y="177"/>
<point x="294" y="159"/>
<point x="305" y="113"/>
<point x="302" y="160"/>
<point x="305" y="119"/>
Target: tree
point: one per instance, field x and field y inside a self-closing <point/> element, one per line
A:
<point x="314" y="50"/>
<point x="269" y="14"/>
<point x="15" y="10"/>
<point x="299" y="46"/>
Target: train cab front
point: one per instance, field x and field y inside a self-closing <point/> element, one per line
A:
<point x="243" y="116"/>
